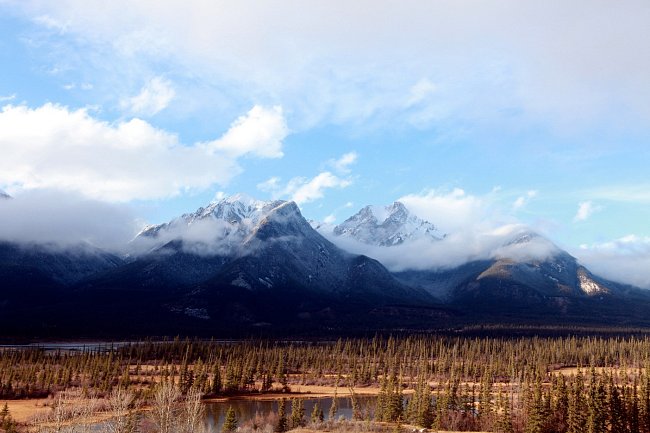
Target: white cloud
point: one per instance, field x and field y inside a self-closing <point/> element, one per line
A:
<point x="340" y="61"/>
<point x="259" y="133"/>
<point x="304" y="190"/>
<point x="272" y="185"/>
<point x="329" y="219"/>
<point x="475" y="228"/>
<point x="420" y="92"/>
<point x="65" y="219"/>
<point x="453" y="250"/>
<point x="451" y="210"/>
<point x="585" y="210"/>
<point x="7" y="98"/>
<point x="342" y="165"/>
<point x="626" y="259"/>
<point x="54" y="147"/>
<point x="523" y="200"/>
<point x="632" y="193"/>
<point x="154" y="97"/>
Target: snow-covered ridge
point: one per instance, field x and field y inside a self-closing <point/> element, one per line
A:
<point x="239" y="211"/>
<point x="386" y="226"/>
<point x="220" y="228"/>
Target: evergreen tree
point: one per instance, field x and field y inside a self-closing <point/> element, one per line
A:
<point x="535" y="410"/>
<point x="230" y="423"/>
<point x="216" y="380"/>
<point x="297" y="413"/>
<point x="504" y="418"/>
<point x="577" y="422"/>
<point x="617" y="417"/>
<point x="597" y="418"/>
<point x="317" y="415"/>
<point x="281" y="426"/>
<point x="561" y="405"/>
<point x="334" y="408"/>
<point x="632" y="404"/>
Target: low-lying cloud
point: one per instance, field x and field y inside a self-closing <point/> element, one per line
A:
<point x="204" y="237"/>
<point x="453" y="250"/>
<point x="626" y="259"/>
<point x="63" y="219"/>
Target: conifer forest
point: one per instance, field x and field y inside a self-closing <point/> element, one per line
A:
<point x="442" y="383"/>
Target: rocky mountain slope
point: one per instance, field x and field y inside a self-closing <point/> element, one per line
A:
<point x="240" y="266"/>
<point x="526" y="276"/>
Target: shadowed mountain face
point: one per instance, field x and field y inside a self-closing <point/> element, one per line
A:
<point x="239" y="264"/>
<point x="242" y="266"/>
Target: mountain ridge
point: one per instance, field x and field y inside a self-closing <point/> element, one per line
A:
<point x="241" y="265"/>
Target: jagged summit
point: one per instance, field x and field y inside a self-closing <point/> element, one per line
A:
<point x="239" y="212"/>
<point x="386" y="226"/>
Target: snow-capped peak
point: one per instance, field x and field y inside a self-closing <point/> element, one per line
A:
<point x="386" y="226"/>
<point x="238" y="213"/>
<point x="234" y="209"/>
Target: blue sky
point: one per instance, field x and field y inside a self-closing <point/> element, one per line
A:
<point x="479" y="114"/>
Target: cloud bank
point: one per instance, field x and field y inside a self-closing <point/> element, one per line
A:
<point x="64" y="220"/>
<point x="453" y="250"/>
<point x="626" y="259"/>
<point x="54" y="147"/>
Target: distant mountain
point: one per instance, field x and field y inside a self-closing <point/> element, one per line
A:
<point x="65" y="265"/>
<point x="226" y="222"/>
<point x="241" y="266"/>
<point x="386" y="226"/>
<point x="524" y="278"/>
<point x="517" y="286"/>
<point x="255" y="263"/>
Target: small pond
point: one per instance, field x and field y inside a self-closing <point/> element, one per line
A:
<point x="247" y="410"/>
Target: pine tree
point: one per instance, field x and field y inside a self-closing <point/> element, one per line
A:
<point x="561" y="405"/>
<point x="216" y="380"/>
<point x="297" y="413"/>
<point x="535" y="409"/>
<point x="281" y="426"/>
<point x="597" y="418"/>
<point x="230" y="423"/>
<point x="616" y="410"/>
<point x="317" y="415"/>
<point x="577" y="420"/>
<point x="504" y="418"/>
<point x="633" y="409"/>
<point x="334" y="408"/>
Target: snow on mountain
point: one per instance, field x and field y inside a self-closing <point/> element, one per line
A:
<point x="216" y="229"/>
<point x="386" y="226"/>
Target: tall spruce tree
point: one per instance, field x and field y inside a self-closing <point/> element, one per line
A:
<point x="230" y="423"/>
<point x="577" y="420"/>
<point x="281" y="425"/>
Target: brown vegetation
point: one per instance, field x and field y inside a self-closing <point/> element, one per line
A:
<point x="531" y="385"/>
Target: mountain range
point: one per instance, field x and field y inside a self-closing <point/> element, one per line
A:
<point x="242" y="266"/>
